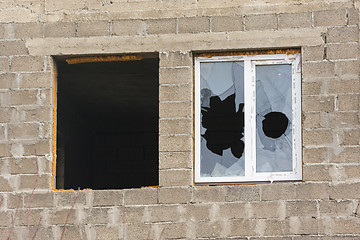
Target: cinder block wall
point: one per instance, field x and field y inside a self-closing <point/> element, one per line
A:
<point x="325" y="205"/>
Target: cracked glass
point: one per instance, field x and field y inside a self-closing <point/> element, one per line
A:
<point x="273" y="118"/>
<point x="222" y="119"/>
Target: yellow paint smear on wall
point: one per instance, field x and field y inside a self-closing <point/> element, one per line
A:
<point x="150" y="187"/>
<point x="104" y="59"/>
<point x="54" y="128"/>
<point x="259" y="52"/>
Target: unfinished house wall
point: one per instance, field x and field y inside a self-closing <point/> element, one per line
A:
<point x="324" y="205"/>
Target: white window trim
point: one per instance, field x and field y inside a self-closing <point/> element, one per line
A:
<point x="250" y="61"/>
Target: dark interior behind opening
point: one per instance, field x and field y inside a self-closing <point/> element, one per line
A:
<point x="107" y="124"/>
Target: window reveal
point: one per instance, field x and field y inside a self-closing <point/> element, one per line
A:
<point x="247" y="125"/>
<point x="107" y="122"/>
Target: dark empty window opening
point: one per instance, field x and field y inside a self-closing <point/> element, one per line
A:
<point x="107" y="124"/>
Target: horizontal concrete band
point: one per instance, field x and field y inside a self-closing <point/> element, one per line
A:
<point x="55" y="10"/>
<point x="158" y="43"/>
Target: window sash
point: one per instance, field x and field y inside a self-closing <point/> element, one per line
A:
<point x="250" y="63"/>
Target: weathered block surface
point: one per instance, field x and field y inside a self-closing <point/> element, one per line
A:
<point x="324" y="206"/>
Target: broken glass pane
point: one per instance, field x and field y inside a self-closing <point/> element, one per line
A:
<point x="273" y="118"/>
<point x="222" y="119"/>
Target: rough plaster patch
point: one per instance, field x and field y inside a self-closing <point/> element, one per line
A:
<point x="20" y="14"/>
<point x="88" y="232"/>
<point x="146" y="216"/>
<point x="41" y="97"/>
<point x="282" y="210"/>
<point x="260" y="227"/>
<point x="157" y="230"/>
<point x="89" y="198"/>
<point x="4" y="98"/>
<point x="214" y="210"/>
<point x="56" y="232"/>
<point x="80" y="215"/>
<point x="225" y="228"/>
<point x="294" y="224"/>
<point x="190" y="227"/>
<point x="328" y="223"/>
<point x="182" y="212"/>
<point x="337" y="174"/>
<point x="14" y="182"/>
<point x="248" y="209"/>
<point x="17" y="150"/>
<point x="355" y="206"/>
<point x="114" y="214"/>
<point x="5" y="170"/>
<point x="166" y="53"/>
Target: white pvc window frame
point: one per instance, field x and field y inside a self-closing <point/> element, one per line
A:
<point x="250" y="63"/>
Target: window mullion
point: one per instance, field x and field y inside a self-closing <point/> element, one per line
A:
<point x="296" y="101"/>
<point x="249" y="86"/>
